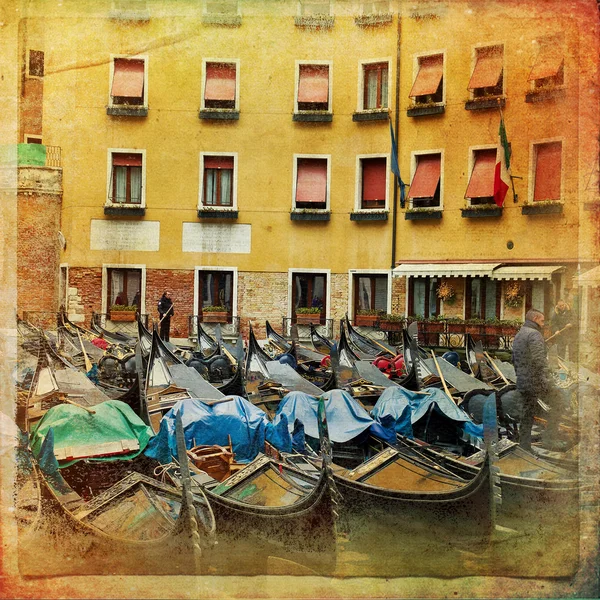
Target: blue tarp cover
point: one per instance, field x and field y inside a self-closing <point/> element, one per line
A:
<point x="346" y="419"/>
<point x="247" y="425"/>
<point x="406" y="407"/>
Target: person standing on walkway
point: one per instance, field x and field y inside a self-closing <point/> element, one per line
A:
<point x="534" y="380"/>
<point x="565" y="321"/>
<point x="165" y="312"/>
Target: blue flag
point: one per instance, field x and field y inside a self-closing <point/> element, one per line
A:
<point x="395" y="167"/>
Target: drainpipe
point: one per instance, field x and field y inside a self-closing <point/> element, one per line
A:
<point x="397" y="123"/>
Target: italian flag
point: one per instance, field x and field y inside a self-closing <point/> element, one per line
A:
<point x="501" y="174"/>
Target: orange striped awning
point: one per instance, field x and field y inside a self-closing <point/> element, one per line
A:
<point x="548" y="63"/>
<point x="548" y="171"/>
<point x="431" y="69"/>
<point x="488" y="69"/>
<point x="427" y="176"/>
<point x="311" y="181"/>
<point x="128" y="78"/>
<point x="481" y="184"/>
<point x="220" y="81"/>
<point x="314" y="83"/>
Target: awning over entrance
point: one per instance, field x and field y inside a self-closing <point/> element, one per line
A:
<point x="590" y="278"/>
<point x="445" y="270"/>
<point x="542" y="272"/>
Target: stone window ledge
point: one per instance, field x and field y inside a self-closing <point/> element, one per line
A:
<point x="419" y="215"/>
<point x="373" y="20"/>
<point x="219" y="114"/>
<point x="473" y="213"/>
<point x="125" y="211"/>
<point x="313" y="117"/>
<point x="222" y="20"/>
<point x="542" y="209"/>
<point x="324" y="215"/>
<point x="216" y="213"/>
<point x="127" y="111"/>
<point x="485" y="103"/>
<point x="364" y="215"/>
<point x="422" y="111"/>
<point x="542" y="95"/>
<point x="370" y="115"/>
<point x="315" y="22"/>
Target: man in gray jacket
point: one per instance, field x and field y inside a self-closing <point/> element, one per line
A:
<point x="534" y="379"/>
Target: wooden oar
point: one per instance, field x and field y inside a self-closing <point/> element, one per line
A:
<point x="88" y="362"/>
<point x="568" y="326"/>
<point x="495" y="367"/>
<point x="437" y="366"/>
<point x="92" y="412"/>
<point x="166" y="314"/>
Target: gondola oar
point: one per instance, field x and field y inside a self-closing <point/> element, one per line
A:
<point x="88" y="362"/>
<point x="437" y="366"/>
<point x="568" y="326"/>
<point x="495" y="367"/>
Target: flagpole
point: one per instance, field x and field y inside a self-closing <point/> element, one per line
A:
<point x="512" y="182"/>
<point x="397" y="115"/>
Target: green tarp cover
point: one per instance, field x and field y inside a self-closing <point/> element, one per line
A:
<point x="113" y="421"/>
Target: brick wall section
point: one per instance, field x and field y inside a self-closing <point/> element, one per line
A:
<point x="180" y="283"/>
<point x="31" y="107"/>
<point x="339" y="300"/>
<point x="262" y="297"/>
<point x="399" y="292"/>
<point x="38" y="253"/>
<point x="88" y="283"/>
<point x="455" y="308"/>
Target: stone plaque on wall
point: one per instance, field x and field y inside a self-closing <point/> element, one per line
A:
<point x="142" y="236"/>
<point x="216" y="237"/>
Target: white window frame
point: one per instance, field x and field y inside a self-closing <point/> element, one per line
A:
<point x="143" y="57"/>
<point x="413" y="168"/>
<point x="358" y="184"/>
<point x="206" y="12"/>
<point x="31" y="136"/>
<point x="474" y="56"/>
<point x="65" y="300"/>
<point x="326" y="272"/>
<point x="234" y="291"/>
<point x="299" y="63"/>
<point x="360" y="99"/>
<point x="234" y="205"/>
<point x="295" y="181"/>
<point x="353" y="273"/>
<point x="301" y="4"/>
<point x="109" y="167"/>
<point x="471" y="163"/>
<point x="417" y="66"/>
<point x="362" y="8"/>
<point x="533" y="166"/>
<point x="106" y="266"/>
<point x="226" y="61"/>
<point x="29" y="75"/>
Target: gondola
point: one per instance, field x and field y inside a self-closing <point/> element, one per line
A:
<point x="115" y="517"/>
<point x="276" y="340"/>
<point x="114" y="337"/>
<point x="365" y="345"/>
<point x="205" y="344"/>
<point x="320" y="343"/>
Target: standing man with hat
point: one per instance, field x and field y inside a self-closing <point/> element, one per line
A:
<point x="165" y="311"/>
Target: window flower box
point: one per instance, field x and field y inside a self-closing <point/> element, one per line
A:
<point x="371" y="115"/>
<point x="308" y="318"/>
<point x="373" y="19"/>
<point x="417" y="214"/>
<point x="214" y="314"/>
<point x="124" y="316"/>
<point x="542" y="208"/>
<point x="391" y="322"/>
<point x="425" y="110"/>
<point x="485" y="103"/>
<point x="366" y="320"/>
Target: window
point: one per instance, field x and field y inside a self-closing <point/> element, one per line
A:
<point x="482" y="298"/>
<point x="370" y="292"/>
<point x="35" y="63"/>
<point x="429" y="83"/>
<point x="222" y="7"/>
<point x="481" y="184"/>
<point x="376" y="8"/>
<point x="425" y="189"/>
<point x="309" y="8"/>
<point x="309" y="290"/>
<point x="126" y="181"/>
<point x="216" y="288"/>
<point x="373" y="182"/>
<point x="487" y="78"/>
<point x="218" y="181"/>
<point x="311" y="183"/>
<point x="124" y="287"/>
<point x="128" y="82"/>
<point x="33" y="139"/>
<point x="422" y="297"/>
<point x="220" y="85"/>
<point x="548" y="70"/>
<point x="313" y="83"/>
<point x="547" y="171"/>
<point x="375" y="85"/>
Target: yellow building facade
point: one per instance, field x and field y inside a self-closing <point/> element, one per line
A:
<point x="238" y="154"/>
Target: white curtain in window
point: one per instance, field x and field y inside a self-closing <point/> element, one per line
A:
<point x="116" y="285"/>
<point x="537" y="295"/>
<point x="226" y="187"/>
<point x="432" y="296"/>
<point x="419" y="297"/>
<point x="381" y="293"/>
<point x="476" y="298"/>
<point x="211" y="186"/>
<point x="372" y="88"/>
<point x="120" y="191"/>
<point x="490" y="299"/>
<point x="208" y="290"/>
<point x="136" y="185"/>
<point x="384" y="88"/>
<point x="228" y="290"/>
<point x="134" y="285"/>
<point x="364" y="293"/>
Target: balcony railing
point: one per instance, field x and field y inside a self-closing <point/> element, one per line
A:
<point x="322" y="325"/>
<point x="53" y="156"/>
<point x="127" y="327"/>
<point x="229" y="329"/>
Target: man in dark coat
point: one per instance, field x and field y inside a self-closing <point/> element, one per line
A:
<point x="534" y="379"/>
<point x="165" y="312"/>
<point x="564" y="321"/>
